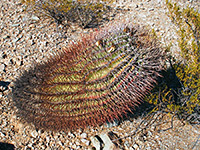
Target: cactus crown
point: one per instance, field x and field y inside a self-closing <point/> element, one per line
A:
<point x="93" y="81"/>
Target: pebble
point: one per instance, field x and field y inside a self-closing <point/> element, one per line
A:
<point x="35" y="18"/>
<point x="2" y="134"/>
<point x="95" y="142"/>
<point x="34" y="134"/>
<point x="131" y="148"/>
<point x="74" y="146"/>
<point x="15" y="40"/>
<point x="15" y="25"/>
<point x="25" y="19"/>
<point x="135" y="146"/>
<point x="30" y="145"/>
<point x="5" y="36"/>
<point x="149" y="133"/>
<point x="86" y="142"/>
<point x="2" y="67"/>
<point x="126" y="144"/>
<point x="107" y="141"/>
<point x="47" y="139"/>
<point x="71" y="135"/>
<point x="139" y="142"/>
<point x="84" y="135"/>
<point x="32" y="25"/>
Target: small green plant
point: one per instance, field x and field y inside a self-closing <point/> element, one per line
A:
<point x="97" y="80"/>
<point x="179" y="92"/>
<point x="85" y="13"/>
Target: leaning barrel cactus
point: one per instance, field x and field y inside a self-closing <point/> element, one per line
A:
<point x="96" y="80"/>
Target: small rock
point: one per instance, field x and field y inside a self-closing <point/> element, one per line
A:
<point x="34" y="134"/>
<point x="131" y="148"/>
<point x="30" y="145"/>
<point x="47" y="139"/>
<point x="77" y="143"/>
<point x="4" y="55"/>
<point x="24" y="19"/>
<point x="35" y="18"/>
<point x="83" y="135"/>
<point x="158" y="1"/>
<point x="86" y="142"/>
<point x="107" y="141"/>
<point x="5" y="37"/>
<point x="60" y="143"/>
<point x="2" y="134"/>
<point x="135" y="146"/>
<point x="74" y="146"/>
<point x="126" y="143"/>
<point x="71" y="135"/>
<point x="32" y="42"/>
<point x="139" y="142"/>
<point x="32" y="25"/>
<point x="14" y="25"/>
<point x="15" y="40"/>
<point x="151" y="9"/>
<point x="2" y="67"/>
<point x="156" y="137"/>
<point x="149" y="133"/>
<point x="96" y="143"/>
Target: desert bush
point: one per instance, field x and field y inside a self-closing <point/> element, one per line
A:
<point x="179" y="90"/>
<point x="85" y="13"/>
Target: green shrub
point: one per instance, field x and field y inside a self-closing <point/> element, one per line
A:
<point x="179" y="91"/>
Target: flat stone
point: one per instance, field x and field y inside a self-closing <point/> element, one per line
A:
<point x="86" y="142"/>
<point x="83" y="135"/>
<point x="24" y="19"/>
<point x="2" y="67"/>
<point x="15" y="25"/>
<point x="107" y="141"/>
<point x="47" y="139"/>
<point x="5" y="37"/>
<point x="35" y="18"/>
<point x="15" y="40"/>
<point x="135" y="146"/>
<point x="34" y="134"/>
<point x="95" y="142"/>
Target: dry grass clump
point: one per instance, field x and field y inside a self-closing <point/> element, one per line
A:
<point x="85" y="13"/>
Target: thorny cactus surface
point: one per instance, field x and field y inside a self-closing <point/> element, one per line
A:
<point x="96" y="80"/>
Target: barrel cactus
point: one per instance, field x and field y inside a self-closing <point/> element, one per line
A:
<point x="96" y="80"/>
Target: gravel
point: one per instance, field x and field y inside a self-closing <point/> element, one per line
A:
<point x="26" y="39"/>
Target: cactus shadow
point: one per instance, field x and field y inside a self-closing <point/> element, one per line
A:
<point x="139" y="111"/>
<point x="6" y="146"/>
